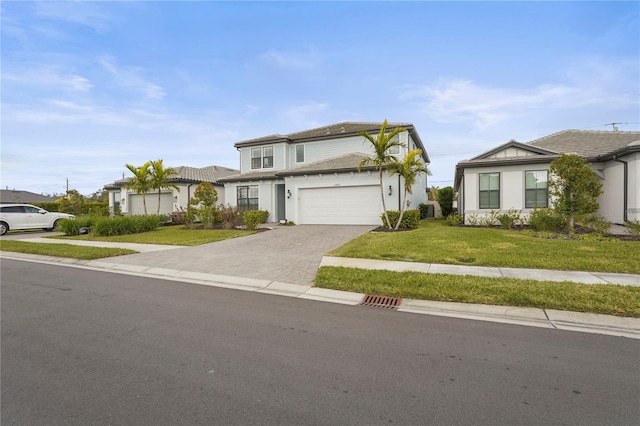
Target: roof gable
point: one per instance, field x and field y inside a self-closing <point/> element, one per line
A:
<point x="513" y="149"/>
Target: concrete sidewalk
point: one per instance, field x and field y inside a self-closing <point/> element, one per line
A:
<point x="560" y="320"/>
<point x="141" y="248"/>
<point x="486" y="271"/>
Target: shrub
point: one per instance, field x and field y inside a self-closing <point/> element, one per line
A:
<point x="424" y="210"/>
<point x="595" y="224"/>
<point x="509" y="218"/>
<point x="253" y="218"/>
<point x="178" y="217"/>
<point x="229" y="216"/>
<point x="72" y="226"/>
<point x="410" y="220"/>
<point x="50" y="207"/>
<point x="473" y="219"/>
<point x="445" y="199"/>
<point x="454" y="219"/>
<point x="123" y="225"/>
<point x="546" y="220"/>
<point x="634" y="227"/>
<point x="203" y="205"/>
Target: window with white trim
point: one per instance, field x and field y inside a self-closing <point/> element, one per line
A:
<point x="299" y="153"/>
<point x="489" y="196"/>
<point x="256" y="158"/>
<point x="262" y="158"/>
<point x="248" y="197"/>
<point x="535" y="189"/>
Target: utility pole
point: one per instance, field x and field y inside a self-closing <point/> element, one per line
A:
<point x="615" y="128"/>
<point x="67" y="185"/>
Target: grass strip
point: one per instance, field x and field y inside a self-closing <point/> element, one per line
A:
<point x="169" y="235"/>
<point x="435" y="242"/>
<point x="599" y="299"/>
<point x="63" y="250"/>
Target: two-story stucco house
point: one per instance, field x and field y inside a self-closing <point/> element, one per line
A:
<point x="514" y="175"/>
<point x="312" y="176"/>
<point x="187" y="178"/>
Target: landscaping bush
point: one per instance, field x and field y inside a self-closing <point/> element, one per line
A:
<point x="73" y="226"/>
<point x="634" y="227"/>
<point x="445" y="199"/>
<point x="50" y="207"/>
<point x="253" y="218"/>
<point x="178" y="217"/>
<point x="410" y="220"/>
<point x="229" y="216"/>
<point x="546" y="220"/>
<point x="509" y="218"/>
<point x="454" y="219"/>
<point x="123" y="225"/>
<point x="424" y="210"/>
<point x="473" y="219"/>
<point x="595" y="224"/>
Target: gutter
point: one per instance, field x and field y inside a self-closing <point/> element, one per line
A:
<point x="625" y="189"/>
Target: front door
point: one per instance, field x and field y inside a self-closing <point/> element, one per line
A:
<point x="280" y="210"/>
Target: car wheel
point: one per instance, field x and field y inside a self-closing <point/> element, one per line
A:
<point x="56" y="225"/>
<point x="4" y="228"/>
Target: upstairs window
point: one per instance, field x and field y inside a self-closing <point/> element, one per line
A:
<point x="489" y="191"/>
<point x="299" y="153"/>
<point x="267" y="157"/>
<point x="256" y="158"/>
<point x="535" y="189"/>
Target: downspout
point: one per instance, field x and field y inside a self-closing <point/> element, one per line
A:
<point x="399" y="199"/>
<point x="189" y="194"/>
<point x="625" y="189"/>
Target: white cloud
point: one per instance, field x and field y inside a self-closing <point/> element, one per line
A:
<point x="295" y="61"/>
<point x="50" y="77"/>
<point x="304" y="115"/>
<point x="130" y="77"/>
<point x="89" y="14"/>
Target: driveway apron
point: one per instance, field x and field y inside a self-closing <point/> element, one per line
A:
<point x="289" y="254"/>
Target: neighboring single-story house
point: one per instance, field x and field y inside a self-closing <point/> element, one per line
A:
<point x="11" y="196"/>
<point x="186" y="179"/>
<point x="514" y="175"/>
<point x="312" y="176"/>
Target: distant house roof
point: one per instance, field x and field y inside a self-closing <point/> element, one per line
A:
<point x="594" y="145"/>
<point x="341" y="164"/>
<point x="187" y="174"/>
<point x="11" y="196"/>
<point x="333" y="131"/>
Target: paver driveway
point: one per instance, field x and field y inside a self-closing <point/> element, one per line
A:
<point x="289" y="254"/>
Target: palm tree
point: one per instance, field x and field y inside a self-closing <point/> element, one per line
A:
<point x="141" y="181"/>
<point x="161" y="178"/>
<point x="381" y="157"/>
<point x="409" y="169"/>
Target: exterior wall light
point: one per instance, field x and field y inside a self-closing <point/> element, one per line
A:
<point x="288" y="193"/>
<point x="390" y="190"/>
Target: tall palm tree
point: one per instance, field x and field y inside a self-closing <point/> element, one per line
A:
<point x="381" y="158"/>
<point x="141" y="181"/>
<point x="409" y="169"/>
<point x="161" y="178"/>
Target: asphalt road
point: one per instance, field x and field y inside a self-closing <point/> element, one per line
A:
<point x="83" y="347"/>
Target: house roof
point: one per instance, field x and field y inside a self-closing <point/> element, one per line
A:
<point x="594" y="145"/>
<point x="13" y="196"/>
<point x="189" y="175"/>
<point x="333" y="131"/>
<point x="342" y="164"/>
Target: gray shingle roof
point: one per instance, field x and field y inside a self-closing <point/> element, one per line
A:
<point x="586" y="143"/>
<point x="11" y="196"/>
<point x="341" y="164"/>
<point x="190" y="174"/>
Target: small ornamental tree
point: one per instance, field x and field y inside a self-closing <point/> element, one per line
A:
<point x="203" y="204"/>
<point x="140" y="182"/>
<point x="574" y="188"/>
<point x="445" y="199"/>
<point x="409" y="169"/>
<point x="73" y="202"/>
<point x="161" y="178"/>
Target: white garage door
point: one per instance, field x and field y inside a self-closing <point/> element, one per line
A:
<point x="136" y="207"/>
<point x="340" y="205"/>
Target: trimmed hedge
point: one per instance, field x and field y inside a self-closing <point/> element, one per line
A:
<point x="253" y="218"/>
<point x="410" y="219"/>
<point x="122" y="225"/>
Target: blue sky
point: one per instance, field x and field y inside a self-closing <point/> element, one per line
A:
<point x="90" y="86"/>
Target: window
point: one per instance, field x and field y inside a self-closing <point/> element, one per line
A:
<point x="299" y="153"/>
<point x="394" y="150"/>
<point x="12" y="209"/>
<point x="535" y="192"/>
<point x="489" y="190"/>
<point x="267" y="158"/>
<point x="256" y="158"/>
<point x="248" y="197"/>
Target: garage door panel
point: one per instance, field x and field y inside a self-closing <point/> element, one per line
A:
<point x="344" y="205"/>
<point x="136" y="206"/>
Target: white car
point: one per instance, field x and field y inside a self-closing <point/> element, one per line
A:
<point x="26" y="216"/>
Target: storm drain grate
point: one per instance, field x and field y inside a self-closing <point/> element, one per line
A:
<point x="381" y="301"/>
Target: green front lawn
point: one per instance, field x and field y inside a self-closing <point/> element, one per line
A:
<point x="435" y="242"/>
<point x="63" y="250"/>
<point x="568" y="296"/>
<point x="169" y="235"/>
